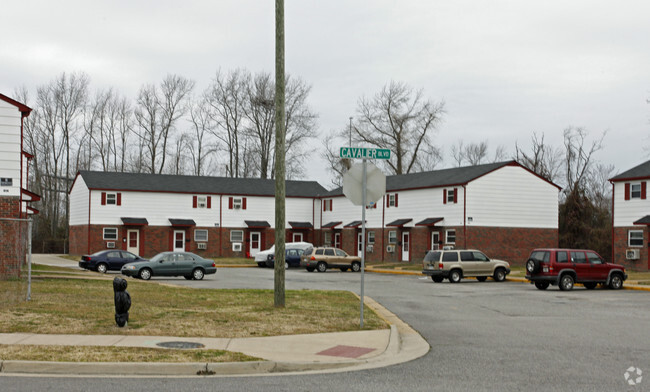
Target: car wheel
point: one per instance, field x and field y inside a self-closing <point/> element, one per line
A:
<point x="198" y="274"/>
<point x="356" y="266"/>
<point x="309" y="269"/>
<point x="261" y="264"/>
<point x="437" y="279"/>
<point x="188" y="277"/>
<point x="532" y="266"/>
<point x="590" y="285"/>
<point x="102" y="268"/>
<point x="455" y="276"/>
<point x="145" y="274"/>
<point x="566" y="282"/>
<point x="321" y="266"/>
<point x="616" y="282"/>
<point x="481" y="278"/>
<point x="542" y="285"/>
<point x="499" y="275"/>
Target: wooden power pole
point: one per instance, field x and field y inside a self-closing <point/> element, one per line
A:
<point x="280" y="136"/>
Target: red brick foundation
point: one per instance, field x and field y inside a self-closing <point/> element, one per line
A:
<point x="621" y="246"/>
<point x="13" y="239"/>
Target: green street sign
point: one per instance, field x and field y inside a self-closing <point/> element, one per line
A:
<point x="364" y="153"/>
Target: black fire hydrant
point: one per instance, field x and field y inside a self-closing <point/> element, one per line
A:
<point x="122" y="302"/>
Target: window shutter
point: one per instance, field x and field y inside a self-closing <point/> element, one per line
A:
<point x="324" y="205"/>
<point x="444" y="196"/>
<point x="387" y="200"/>
<point x="374" y="205"/>
<point x="230" y="203"/>
<point x="331" y="204"/>
<point x="455" y="195"/>
<point x="194" y="202"/>
<point x="209" y="201"/>
<point x="243" y="203"/>
<point x="627" y="191"/>
<point x="396" y="200"/>
<point x="103" y="198"/>
<point x="119" y="198"/>
<point x="643" y="190"/>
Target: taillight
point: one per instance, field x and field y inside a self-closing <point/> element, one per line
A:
<point x="441" y="265"/>
<point x="312" y="258"/>
<point x="214" y="264"/>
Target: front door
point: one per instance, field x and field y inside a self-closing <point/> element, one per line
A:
<point x="179" y="240"/>
<point x="359" y="244"/>
<point x="297" y="237"/>
<point x="337" y="240"/>
<point x="406" y="245"/>
<point x="256" y="243"/>
<point x="435" y="240"/>
<point x="133" y="241"/>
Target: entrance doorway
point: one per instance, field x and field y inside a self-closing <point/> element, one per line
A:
<point x="406" y="236"/>
<point x="256" y="243"/>
<point x="179" y="240"/>
<point x="133" y="241"/>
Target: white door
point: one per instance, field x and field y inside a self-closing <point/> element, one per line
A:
<point x="435" y="240"/>
<point x="405" y="245"/>
<point x="297" y="237"/>
<point x="256" y="243"/>
<point x="133" y="241"/>
<point x="179" y="240"/>
<point x="359" y="244"/>
<point x="337" y="240"/>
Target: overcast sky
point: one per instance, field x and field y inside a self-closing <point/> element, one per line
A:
<point x="505" y="69"/>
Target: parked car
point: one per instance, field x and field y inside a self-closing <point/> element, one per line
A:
<point x="108" y="260"/>
<point x="262" y="257"/>
<point x="185" y="264"/>
<point x="455" y="264"/>
<point x="565" y="267"/>
<point x="322" y="258"/>
<point x="291" y="258"/>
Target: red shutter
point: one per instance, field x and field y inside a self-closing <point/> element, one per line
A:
<point x="396" y="200"/>
<point x="444" y="196"/>
<point x="643" y="190"/>
<point x="331" y="204"/>
<point x="387" y="200"/>
<point x="243" y="203"/>
<point x="324" y="205"/>
<point x="374" y="205"/>
<point x="455" y="195"/>
<point x="627" y="191"/>
<point x="230" y="203"/>
<point x="119" y="198"/>
<point x="209" y="201"/>
<point x="103" y="198"/>
<point x="194" y="201"/>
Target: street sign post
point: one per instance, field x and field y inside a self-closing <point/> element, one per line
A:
<point x="373" y="188"/>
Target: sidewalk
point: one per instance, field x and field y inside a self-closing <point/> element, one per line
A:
<point x="329" y="352"/>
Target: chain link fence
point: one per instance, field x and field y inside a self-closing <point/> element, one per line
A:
<point x="15" y="274"/>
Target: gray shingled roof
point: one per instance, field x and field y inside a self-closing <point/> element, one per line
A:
<point x="195" y="184"/>
<point x="436" y="178"/>
<point x="641" y="171"/>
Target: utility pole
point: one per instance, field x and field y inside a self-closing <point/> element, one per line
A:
<point x="280" y="136"/>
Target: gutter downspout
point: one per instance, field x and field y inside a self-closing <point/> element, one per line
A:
<point x="220" y="224"/>
<point x="613" y="249"/>
<point x="465" y="235"/>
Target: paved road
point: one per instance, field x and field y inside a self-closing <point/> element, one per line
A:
<point x="484" y="336"/>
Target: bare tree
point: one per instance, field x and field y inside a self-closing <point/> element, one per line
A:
<point x="578" y="161"/>
<point x="337" y="166"/>
<point x="401" y="120"/>
<point x="198" y="145"/>
<point x="544" y="159"/>
<point x="475" y="153"/>
<point x="260" y="113"/>
<point x="157" y="113"/>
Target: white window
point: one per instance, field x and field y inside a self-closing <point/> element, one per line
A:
<point x="451" y="236"/>
<point x="200" y="235"/>
<point x="110" y="233"/>
<point x="236" y="235"/>
<point x="111" y="199"/>
<point x="327" y="238"/>
<point x="635" y="238"/>
<point x="392" y="200"/>
<point x="236" y="203"/>
<point x="202" y="202"/>
<point x="635" y="191"/>
<point x="371" y="237"/>
<point x="451" y="194"/>
<point x="392" y="237"/>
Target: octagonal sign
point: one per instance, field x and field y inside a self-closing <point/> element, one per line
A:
<point x="353" y="181"/>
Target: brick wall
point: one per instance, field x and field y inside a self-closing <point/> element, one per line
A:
<point x="13" y="239"/>
<point x="621" y="246"/>
<point x="511" y="244"/>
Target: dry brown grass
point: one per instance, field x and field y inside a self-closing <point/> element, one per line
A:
<point x="80" y="306"/>
<point x="115" y="354"/>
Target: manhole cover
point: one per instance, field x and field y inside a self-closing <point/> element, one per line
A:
<point x="185" y="345"/>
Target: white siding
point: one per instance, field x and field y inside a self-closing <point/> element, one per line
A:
<point x="10" y="148"/>
<point x="626" y="212"/>
<point x="512" y="197"/>
<point x="419" y="204"/>
<point x="345" y="212"/>
<point x="79" y="203"/>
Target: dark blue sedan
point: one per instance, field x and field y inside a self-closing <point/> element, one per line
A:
<point x="291" y="258"/>
<point x="108" y="260"/>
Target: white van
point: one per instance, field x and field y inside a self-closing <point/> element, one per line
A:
<point x="260" y="257"/>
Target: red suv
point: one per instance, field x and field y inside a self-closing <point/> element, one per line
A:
<point x="565" y="267"/>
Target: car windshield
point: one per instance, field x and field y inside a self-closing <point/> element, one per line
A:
<point x="158" y="257"/>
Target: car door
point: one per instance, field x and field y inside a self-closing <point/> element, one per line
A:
<point x="185" y="264"/>
<point x="599" y="271"/>
<point x="580" y="265"/>
<point x="470" y="266"/>
<point x="483" y="264"/>
<point x="330" y="257"/>
<point x="166" y="266"/>
<point x="127" y="257"/>
<point x="114" y="260"/>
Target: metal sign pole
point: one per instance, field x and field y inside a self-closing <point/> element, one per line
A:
<point x="363" y="233"/>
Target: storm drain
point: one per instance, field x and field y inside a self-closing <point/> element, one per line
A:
<point x="180" y="345"/>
